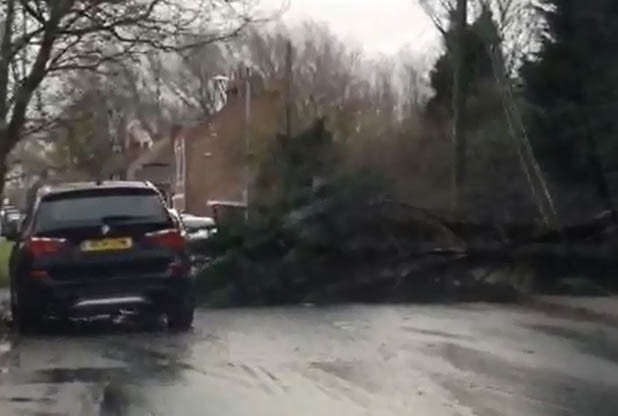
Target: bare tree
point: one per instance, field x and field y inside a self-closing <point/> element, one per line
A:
<point x="328" y="76"/>
<point x="518" y="22"/>
<point x="459" y="106"/>
<point x="198" y="79"/>
<point x="520" y="27"/>
<point x="41" y="40"/>
<point x="414" y="86"/>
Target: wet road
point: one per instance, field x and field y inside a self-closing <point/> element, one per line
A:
<point x="353" y="360"/>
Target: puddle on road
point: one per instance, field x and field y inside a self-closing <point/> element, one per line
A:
<point x="81" y="375"/>
<point x="5" y="348"/>
<point x="345" y="325"/>
<point x="492" y="385"/>
<point x="561" y="332"/>
<point x="351" y="373"/>
<point x="41" y="400"/>
<point x="438" y="333"/>
<point x="115" y="400"/>
<point x="163" y="375"/>
<point x="602" y="343"/>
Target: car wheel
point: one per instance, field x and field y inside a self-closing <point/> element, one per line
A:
<point x="27" y="318"/>
<point x="180" y="316"/>
<point x="13" y="296"/>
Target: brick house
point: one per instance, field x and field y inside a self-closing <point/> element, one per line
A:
<point x="218" y="161"/>
<point x="209" y="160"/>
<point x="156" y="165"/>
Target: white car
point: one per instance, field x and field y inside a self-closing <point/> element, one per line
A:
<point x="199" y="228"/>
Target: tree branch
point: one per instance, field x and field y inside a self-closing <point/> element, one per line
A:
<point x="34" y="78"/>
<point x="36" y="14"/>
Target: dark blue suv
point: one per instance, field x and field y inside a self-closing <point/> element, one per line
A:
<point x="99" y="248"/>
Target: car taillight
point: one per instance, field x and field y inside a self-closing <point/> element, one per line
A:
<point x="166" y="238"/>
<point x="40" y="246"/>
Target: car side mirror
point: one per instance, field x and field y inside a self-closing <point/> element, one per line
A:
<point x="12" y="229"/>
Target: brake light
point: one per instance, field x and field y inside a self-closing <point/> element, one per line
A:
<point x="166" y="238"/>
<point x="40" y="246"/>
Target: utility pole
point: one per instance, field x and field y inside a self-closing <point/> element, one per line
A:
<point x="289" y="94"/>
<point x="459" y="104"/>
<point x="247" y="122"/>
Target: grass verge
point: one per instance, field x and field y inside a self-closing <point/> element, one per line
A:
<point x="5" y="252"/>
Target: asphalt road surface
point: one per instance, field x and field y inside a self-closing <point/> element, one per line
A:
<point x="352" y="360"/>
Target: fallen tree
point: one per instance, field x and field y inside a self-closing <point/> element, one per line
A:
<point x="388" y="251"/>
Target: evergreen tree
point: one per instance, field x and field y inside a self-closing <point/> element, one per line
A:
<point x="481" y="37"/>
<point x="292" y="172"/>
<point x="572" y="89"/>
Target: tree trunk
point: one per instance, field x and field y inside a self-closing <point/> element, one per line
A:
<point x="3" y="159"/>
<point x="289" y="95"/>
<point x="594" y="161"/>
<point x="459" y="101"/>
<point x="592" y="153"/>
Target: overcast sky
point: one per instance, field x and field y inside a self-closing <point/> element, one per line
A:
<point x="378" y="26"/>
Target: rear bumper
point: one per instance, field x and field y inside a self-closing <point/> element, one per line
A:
<point x="108" y="296"/>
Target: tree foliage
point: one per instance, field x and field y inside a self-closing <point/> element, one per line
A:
<point x="293" y="172"/>
<point x="519" y="25"/>
<point x="572" y="88"/>
<point x="481" y="38"/>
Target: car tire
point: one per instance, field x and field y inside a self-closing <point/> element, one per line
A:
<point x="13" y="297"/>
<point x="28" y="319"/>
<point x="180" y="316"/>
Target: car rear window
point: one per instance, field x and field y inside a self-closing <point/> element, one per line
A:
<point x="100" y="206"/>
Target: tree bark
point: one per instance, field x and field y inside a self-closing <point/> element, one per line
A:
<point x="3" y="171"/>
<point x="594" y="161"/>
<point x="592" y="151"/>
<point x="289" y="98"/>
<point x="5" y="57"/>
<point x="459" y="101"/>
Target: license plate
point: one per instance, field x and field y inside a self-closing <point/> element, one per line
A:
<point x="107" y="244"/>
